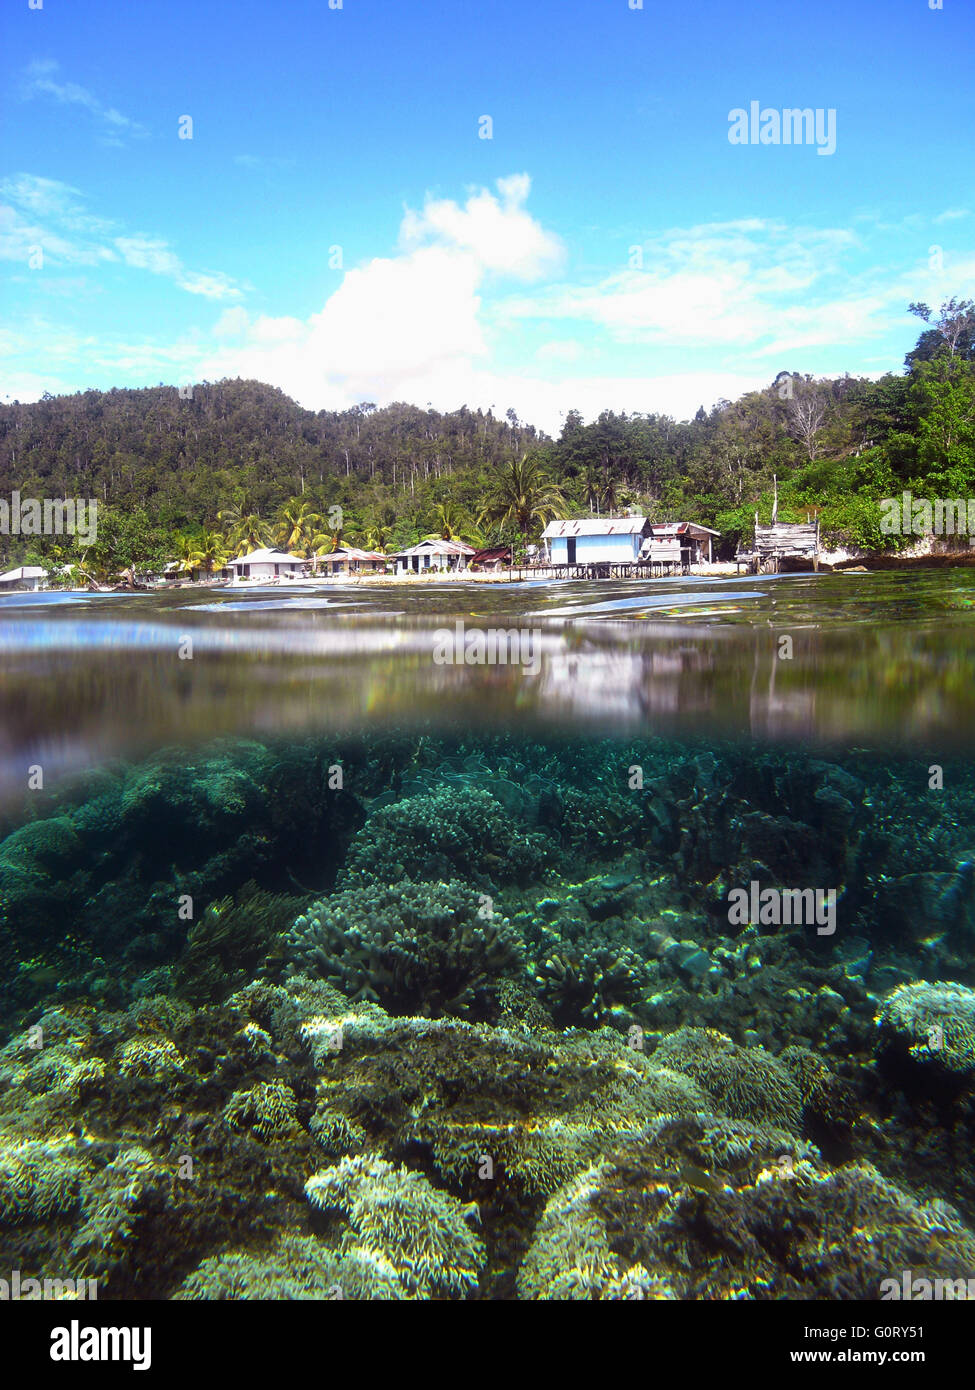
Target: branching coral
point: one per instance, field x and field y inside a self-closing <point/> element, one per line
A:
<point x="296" y="1267"/>
<point x="150" y="1056"/>
<point x="700" y="1210"/>
<point x="449" y="833"/>
<point x="586" y="986"/>
<point x="743" y="1082"/>
<point x="933" y="1023"/>
<point x="38" y="1180"/>
<point x="398" y="1218"/>
<point x="420" y="948"/>
<point x="269" y="1109"/>
<point x="570" y="1257"/>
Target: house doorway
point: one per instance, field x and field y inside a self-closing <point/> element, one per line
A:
<point x="570" y="549"/>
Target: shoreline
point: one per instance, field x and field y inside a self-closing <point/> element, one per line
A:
<point x="848" y="564"/>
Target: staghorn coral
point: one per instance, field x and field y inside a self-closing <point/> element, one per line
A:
<point x="743" y="1082"/>
<point x="38" y="1179"/>
<point x="452" y="832"/>
<point x="398" y="1218"/>
<point x="294" y="1268"/>
<point x="99" y="880"/>
<point x="227" y="943"/>
<point x="706" y="1210"/>
<point x="422" y="948"/>
<point x="150" y="1056"/>
<point x="116" y="1199"/>
<point x="825" y="1096"/>
<point x="586" y="987"/>
<point x="933" y="1024"/>
<point x="269" y="1109"/>
<point x="570" y="1257"/>
<point x="449" y="1086"/>
<point x="336" y="1134"/>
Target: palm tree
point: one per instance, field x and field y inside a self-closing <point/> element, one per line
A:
<point x="591" y="481"/>
<point x="378" y="537"/>
<point x="315" y="544"/>
<point x="248" y="531"/>
<point x="450" y="520"/>
<point x="207" y="555"/>
<point x="297" y="523"/>
<point x="610" y="494"/>
<point x="185" y="548"/>
<point x="524" y="498"/>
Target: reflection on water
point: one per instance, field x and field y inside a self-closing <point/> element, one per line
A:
<point x="874" y="658"/>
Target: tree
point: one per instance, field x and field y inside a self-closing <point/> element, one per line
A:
<point x="807" y="412"/>
<point x="246" y="529"/>
<point x="450" y="520"/>
<point x="298" y="523"/>
<point x="523" y="498"/>
<point x="953" y="331"/>
<point x="944" y="394"/>
<point x="207" y="555"/>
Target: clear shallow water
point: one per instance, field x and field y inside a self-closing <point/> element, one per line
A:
<point x="514" y="896"/>
<point x="882" y="659"/>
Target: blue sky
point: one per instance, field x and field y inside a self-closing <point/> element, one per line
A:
<point x="336" y="226"/>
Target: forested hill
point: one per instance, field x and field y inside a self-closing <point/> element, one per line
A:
<point x="238" y="461"/>
<point x="183" y="457"/>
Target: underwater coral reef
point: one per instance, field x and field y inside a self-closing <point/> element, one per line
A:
<point x="474" y="1021"/>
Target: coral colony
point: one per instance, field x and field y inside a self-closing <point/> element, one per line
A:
<point x="488" y="1018"/>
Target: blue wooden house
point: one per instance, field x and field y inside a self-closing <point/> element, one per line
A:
<point x="595" y="540"/>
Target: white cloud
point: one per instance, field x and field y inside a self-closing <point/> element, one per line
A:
<point x="148" y="253"/>
<point x="49" y="214"/>
<point x="496" y="231"/>
<point x="402" y="326"/>
<point x="560" y="350"/>
<point x="414" y="327"/>
<point x="716" y="311"/>
<point x="41" y="81"/>
<point x="713" y="284"/>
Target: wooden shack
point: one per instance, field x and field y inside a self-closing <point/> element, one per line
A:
<point x="782" y="546"/>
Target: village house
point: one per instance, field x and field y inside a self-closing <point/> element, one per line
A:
<point x="266" y="564"/>
<point x="595" y="540"/>
<point x="30" y="577"/>
<point x="433" y="554"/>
<point x="694" y="541"/>
<point x="627" y="540"/>
<point x="348" y="559"/>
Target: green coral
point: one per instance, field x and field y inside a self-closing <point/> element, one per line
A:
<point x="698" y="1209"/>
<point x="933" y="1023"/>
<point x="150" y="1056"/>
<point x="452" y="832"/>
<point x="416" y="948"/>
<point x="226" y="944"/>
<point x="270" y="1109"/>
<point x="400" y="1221"/>
<point x="115" y="1202"/>
<point x="570" y="1257"/>
<point x="744" y="1082"/>
<point x="587" y="986"/>
<point x="294" y="1268"/>
<point x="38" y="1180"/>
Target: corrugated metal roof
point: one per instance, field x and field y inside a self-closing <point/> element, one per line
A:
<point x="596" y="526"/>
<point x="267" y="557"/>
<point x="350" y="552"/>
<point x="437" y="547"/>
<point x="682" y="528"/>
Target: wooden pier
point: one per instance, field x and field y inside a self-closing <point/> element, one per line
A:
<point x="606" y="569"/>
